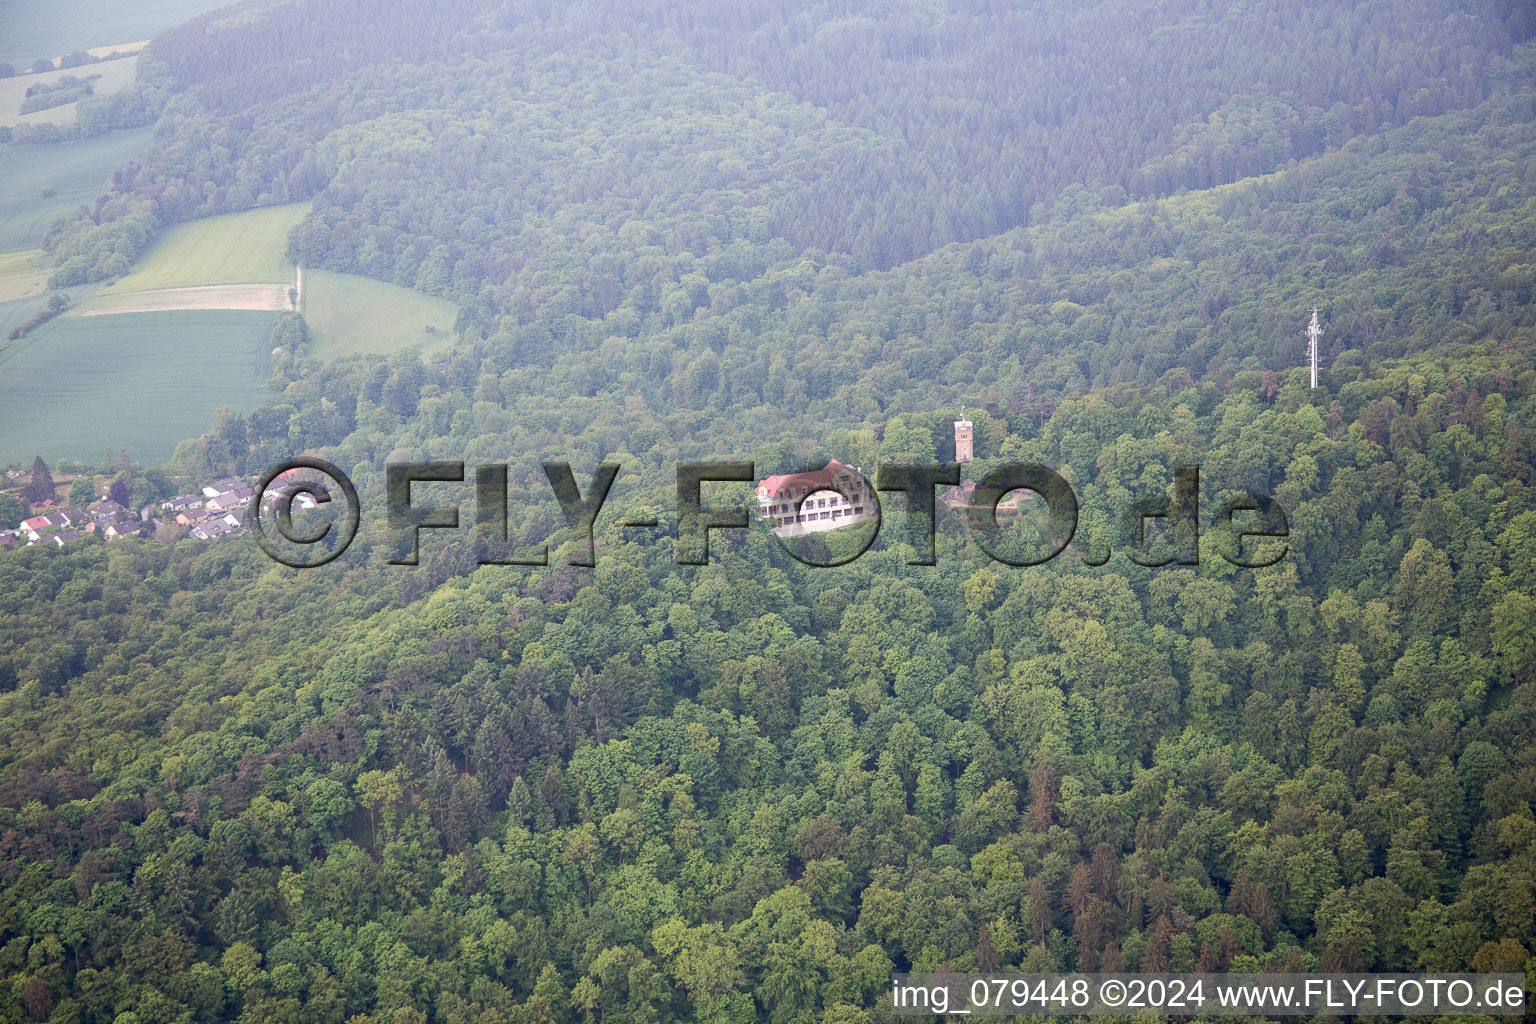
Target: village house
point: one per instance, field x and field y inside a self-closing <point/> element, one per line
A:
<point x="105" y="513"/>
<point x="961" y="495"/>
<point x="211" y="529"/>
<point x="106" y="509"/>
<point x="31" y="527"/>
<point x="37" y="526"/>
<point x="235" y="497"/>
<point x="301" y="501"/>
<point x="219" y="510"/>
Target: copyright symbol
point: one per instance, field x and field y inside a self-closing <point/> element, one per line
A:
<point x="1112" y="993"/>
<point x="271" y="512"/>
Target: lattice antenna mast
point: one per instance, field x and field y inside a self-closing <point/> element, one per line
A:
<point x="1314" y="331"/>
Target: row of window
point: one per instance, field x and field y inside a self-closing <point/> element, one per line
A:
<point x="836" y="501"/>
<point x="811" y="517"/>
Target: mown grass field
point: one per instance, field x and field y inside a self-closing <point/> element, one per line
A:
<point x="348" y="314"/>
<point x="48" y="28"/>
<point x="141" y="381"/>
<point x="75" y="170"/>
<point x="272" y="297"/>
<point x="236" y="248"/>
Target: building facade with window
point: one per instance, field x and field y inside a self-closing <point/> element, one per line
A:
<point x="824" y="499"/>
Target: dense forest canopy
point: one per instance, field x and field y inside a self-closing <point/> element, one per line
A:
<point x="752" y="790"/>
<point x="966" y="120"/>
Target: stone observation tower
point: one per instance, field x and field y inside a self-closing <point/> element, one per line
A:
<point x="963" y="450"/>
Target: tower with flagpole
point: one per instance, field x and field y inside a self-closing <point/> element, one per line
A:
<point x="963" y="438"/>
<point x="1314" y="331"/>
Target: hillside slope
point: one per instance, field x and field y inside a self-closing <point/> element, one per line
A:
<point x="752" y="790"/>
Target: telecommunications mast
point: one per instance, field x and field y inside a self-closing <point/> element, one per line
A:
<point x="1314" y="332"/>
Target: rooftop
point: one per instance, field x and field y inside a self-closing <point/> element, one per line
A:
<point x="833" y="476"/>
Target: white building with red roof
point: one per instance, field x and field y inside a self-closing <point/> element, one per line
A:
<point x="823" y="499"/>
<point x="35" y="524"/>
<point x="35" y="527"/>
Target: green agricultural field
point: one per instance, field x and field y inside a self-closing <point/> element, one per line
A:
<point x="76" y="171"/>
<point x="23" y="273"/>
<point x="106" y="78"/>
<point x="48" y="28"/>
<point x="237" y="248"/>
<point x="348" y="314"/>
<point x="17" y="311"/>
<point x="141" y="381"/>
